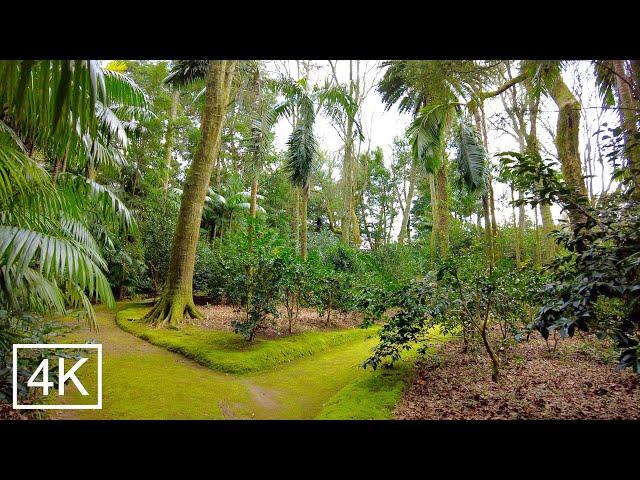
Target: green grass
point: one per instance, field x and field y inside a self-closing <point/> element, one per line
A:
<point x="229" y="352"/>
<point x="143" y="381"/>
<point x="374" y="396"/>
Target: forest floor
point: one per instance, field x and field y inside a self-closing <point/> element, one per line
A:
<point x="144" y="381"/>
<point x="576" y="381"/>
<point x="219" y="317"/>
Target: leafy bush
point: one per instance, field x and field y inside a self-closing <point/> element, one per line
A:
<point x="601" y="258"/>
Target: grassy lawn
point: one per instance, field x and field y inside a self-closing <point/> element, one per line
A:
<point x="229" y="352"/>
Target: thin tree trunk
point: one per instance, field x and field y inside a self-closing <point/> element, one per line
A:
<point x="515" y="227"/>
<point x="295" y="218"/>
<point x="303" y="221"/>
<point x="434" y="214"/>
<point x="404" y="228"/>
<point x="443" y="210"/>
<point x="487" y="230"/>
<point x="628" y="109"/>
<point x="176" y="301"/>
<point x="347" y="173"/>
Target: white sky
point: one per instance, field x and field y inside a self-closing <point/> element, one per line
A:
<point x="382" y="126"/>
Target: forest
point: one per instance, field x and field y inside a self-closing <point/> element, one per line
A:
<point x="311" y="239"/>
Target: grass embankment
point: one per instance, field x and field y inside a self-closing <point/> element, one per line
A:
<point x="229" y="352"/>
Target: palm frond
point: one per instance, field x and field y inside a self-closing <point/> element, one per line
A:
<point x="471" y="159"/>
<point x="185" y="72"/>
<point x="301" y="153"/>
<point x="428" y="134"/>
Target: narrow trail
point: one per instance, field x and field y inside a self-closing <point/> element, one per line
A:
<point x="142" y="381"/>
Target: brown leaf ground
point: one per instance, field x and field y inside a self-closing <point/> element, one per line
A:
<point x="577" y="381"/>
<point x="219" y="317"/>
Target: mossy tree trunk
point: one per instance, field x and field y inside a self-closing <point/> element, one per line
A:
<point x="295" y="218"/>
<point x="434" y="214"/>
<point x="567" y="141"/>
<point x="176" y="301"/>
<point x="168" y="145"/>
<point x="442" y="236"/>
<point x="303" y="220"/>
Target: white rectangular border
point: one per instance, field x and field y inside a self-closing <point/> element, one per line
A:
<point x="16" y="346"/>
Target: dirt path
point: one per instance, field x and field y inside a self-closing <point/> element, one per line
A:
<point x="142" y="381"/>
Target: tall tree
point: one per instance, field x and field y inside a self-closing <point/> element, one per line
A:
<point x="176" y="301"/>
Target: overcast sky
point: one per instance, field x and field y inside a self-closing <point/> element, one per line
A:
<point x="382" y="126"/>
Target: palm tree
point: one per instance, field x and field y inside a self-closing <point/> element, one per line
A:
<point x="434" y="92"/>
<point x="60" y="114"/>
<point x="303" y="104"/>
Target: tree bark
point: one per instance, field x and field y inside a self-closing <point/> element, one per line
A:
<point x="303" y="221"/>
<point x="567" y="141"/>
<point x="347" y="186"/>
<point x="347" y="173"/>
<point x="168" y="146"/>
<point x="629" y="110"/>
<point x="443" y="210"/>
<point x="176" y="301"/>
<point x="404" y="228"/>
<point x="295" y="218"/>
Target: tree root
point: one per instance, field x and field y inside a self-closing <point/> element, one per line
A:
<point x="170" y="311"/>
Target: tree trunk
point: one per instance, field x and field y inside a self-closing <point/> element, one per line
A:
<point x="355" y="227"/>
<point x="253" y="207"/>
<point x="295" y="218"/>
<point x="168" y="145"/>
<point x="443" y="210"/>
<point x="434" y="214"/>
<point x="567" y="141"/>
<point x="176" y="301"/>
<point x="303" y="221"/>
<point x="628" y="109"/>
<point x="487" y="230"/>
<point x="515" y="228"/>
<point x="347" y="186"/>
<point x="404" y="228"/>
<point x="347" y="173"/>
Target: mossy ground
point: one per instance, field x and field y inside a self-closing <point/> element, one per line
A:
<point x="374" y="396"/>
<point x="229" y="352"/>
<point x="143" y="381"/>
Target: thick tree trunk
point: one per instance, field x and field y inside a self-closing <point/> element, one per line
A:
<point x="404" y="228"/>
<point x="567" y="141"/>
<point x="176" y="301"/>
<point x="168" y="145"/>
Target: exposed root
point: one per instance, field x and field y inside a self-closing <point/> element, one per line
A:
<point x="171" y="311"/>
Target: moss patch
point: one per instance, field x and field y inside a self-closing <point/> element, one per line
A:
<point x="375" y="395"/>
<point x="229" y="352"/>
